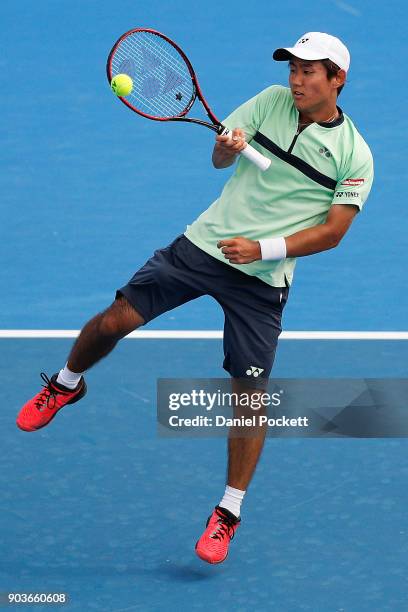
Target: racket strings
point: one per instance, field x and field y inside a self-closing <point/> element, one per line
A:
<point x="162" y="84"/>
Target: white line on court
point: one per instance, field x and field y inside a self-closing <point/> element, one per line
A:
<point x="198" y="334"/>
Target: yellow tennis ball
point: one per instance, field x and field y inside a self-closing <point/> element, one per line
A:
<point x="122" y="85"/>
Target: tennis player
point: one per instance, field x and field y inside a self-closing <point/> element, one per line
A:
<point x="242" y="250"/>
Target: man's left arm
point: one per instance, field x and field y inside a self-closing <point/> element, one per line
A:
<point x="322" y="237"/>
<point x="351" y="192"/>
<point x="315" y="239"/>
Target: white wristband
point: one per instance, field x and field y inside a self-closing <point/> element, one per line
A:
<point x="273" y="248"/>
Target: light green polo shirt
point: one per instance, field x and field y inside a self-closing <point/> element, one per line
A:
<point x="326" y="164"/>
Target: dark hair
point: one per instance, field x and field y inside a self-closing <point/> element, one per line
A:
<point x="332" y="70"/>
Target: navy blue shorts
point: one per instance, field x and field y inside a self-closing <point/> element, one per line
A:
<point x="253" y="309"/>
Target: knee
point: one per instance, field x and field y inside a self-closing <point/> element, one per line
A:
<point x="119" y="319"/>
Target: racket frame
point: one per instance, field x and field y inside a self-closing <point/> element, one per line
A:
<point x="215" y="124"/>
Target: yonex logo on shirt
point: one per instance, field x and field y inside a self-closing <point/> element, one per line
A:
<point x="350" y="194"/>
<point x="324" y="151"/>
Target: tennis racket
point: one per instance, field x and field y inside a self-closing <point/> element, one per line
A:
<point x="165" y="86"/>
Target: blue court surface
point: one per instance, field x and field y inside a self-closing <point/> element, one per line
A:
<point x="97" y="505"/>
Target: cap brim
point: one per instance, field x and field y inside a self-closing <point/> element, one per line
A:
<point x="283" y="54"/>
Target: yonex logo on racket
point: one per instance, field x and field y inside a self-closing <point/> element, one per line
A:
<point x="164" y="79"/>
<point x="254" y="371"/>
<point x="165" y="86"/>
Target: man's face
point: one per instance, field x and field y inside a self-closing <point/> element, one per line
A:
<point x="311" y="89"/>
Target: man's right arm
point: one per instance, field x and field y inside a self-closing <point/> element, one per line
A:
<point x="226" y="149"/>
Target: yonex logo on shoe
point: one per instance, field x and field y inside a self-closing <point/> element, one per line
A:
<point x="254" y="371"/>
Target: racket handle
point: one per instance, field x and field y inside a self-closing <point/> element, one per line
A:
<point x="252" y="154"/>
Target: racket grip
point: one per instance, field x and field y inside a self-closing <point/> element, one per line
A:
<point x="256" y="157"/>
<point x="252" y="154"/>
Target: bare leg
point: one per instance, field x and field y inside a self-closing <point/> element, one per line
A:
<point x="101" y="334"/>
<point x="244" y="452"/>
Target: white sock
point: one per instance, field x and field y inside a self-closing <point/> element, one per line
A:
<point x="232" y="500"/>
<point x="68" y="379"/>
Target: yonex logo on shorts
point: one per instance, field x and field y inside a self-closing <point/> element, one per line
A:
<point x="254" y="371"/>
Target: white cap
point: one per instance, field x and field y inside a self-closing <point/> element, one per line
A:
<point x="316" y="46"/>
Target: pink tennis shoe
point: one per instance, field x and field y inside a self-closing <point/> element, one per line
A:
<point x="43" y="407"/>
<point x="214" y="543"/>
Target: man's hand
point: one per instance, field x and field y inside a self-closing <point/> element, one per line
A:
<point x="226" y="149"/>
<point x="231" y="145"/>
<point x="240" y="250"/>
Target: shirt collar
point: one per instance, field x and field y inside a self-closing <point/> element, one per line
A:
<point x="324" y="124"/>
<point x="332" y="124"/>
